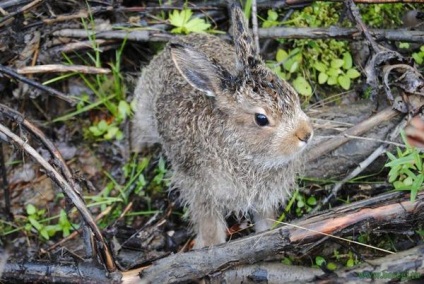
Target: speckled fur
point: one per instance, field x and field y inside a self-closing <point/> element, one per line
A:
<point x="222" y="160"/>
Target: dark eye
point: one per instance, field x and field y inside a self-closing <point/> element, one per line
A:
<point x="261" y="119"/>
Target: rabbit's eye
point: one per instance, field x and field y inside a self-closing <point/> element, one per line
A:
<point x="261" y="119"/>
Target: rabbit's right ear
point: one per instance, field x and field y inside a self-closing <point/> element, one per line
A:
<point x="198" y="70"/>
<point x="243" y="41"/>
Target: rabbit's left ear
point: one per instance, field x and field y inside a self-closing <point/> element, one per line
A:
<point x="198" y="70"/>
<point x="243" y="41"/>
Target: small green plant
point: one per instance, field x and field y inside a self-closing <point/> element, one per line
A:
<point x="406" y="169"/>
<point x="109" y="91"/>
<point x="105" y="130"/>
<point x="133" y="171"/>
<point x="271" y="20"/>
<point x="304" y="204"/>
<point x="160" y="172"/>
<point x="321" y="262"/>
<point x="340" y="71"/>
<point x="300" y="203"/>
<point x="302" y="62"/>
<point x="185" y="24"/>
<point x="383" y="15"/>
<point x="419" y="56"/>
<point x="36" y="219"/>
<point x="352" y="260"/>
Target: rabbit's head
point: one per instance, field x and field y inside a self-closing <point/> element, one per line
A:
<point x="263" y="113"/>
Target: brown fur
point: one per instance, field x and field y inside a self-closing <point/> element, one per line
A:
<point x="198" y="98"/>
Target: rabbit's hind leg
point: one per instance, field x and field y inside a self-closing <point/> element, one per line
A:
<point x="210" y="229"/>
<point x="263" y="220"/>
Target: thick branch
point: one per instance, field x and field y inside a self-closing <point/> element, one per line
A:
<point x="278" y="32"/>
<point x="359" y="217"/>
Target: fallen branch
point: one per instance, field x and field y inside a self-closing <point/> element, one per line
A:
<point x="8" y="71"/>
<point x="341" y="33"/>
<point x="267" y="272"/>
<point x="359" y="129"/>
<point x="48" y="272"/>
<point x="362" y="166"/>
<point x="70" y="192"/>
<point x="277" y="32"/>
<point x="403" y="266"/>
<point x="359" y="217"/>
<point x="59" y="68"/>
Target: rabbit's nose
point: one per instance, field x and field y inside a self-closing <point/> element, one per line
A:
<point x="306" y="137"/>
<point x="305" y="132"/>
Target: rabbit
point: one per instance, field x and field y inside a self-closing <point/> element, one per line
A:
<point x="231" y="129"/>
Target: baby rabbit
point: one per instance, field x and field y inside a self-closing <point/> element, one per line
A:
<point x="229" y="126"/>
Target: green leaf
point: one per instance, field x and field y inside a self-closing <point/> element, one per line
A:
<point x="124" y="109"/>
<point x="320" y="261"/>
<point x="102" y="125"/>
<point x="272" y="15"/>
<point x="35" y="223"/>
<point x="404" y="45"/>
<point x="347" y="61"/>
<point x="311" y="200"/>
<point x="353" y="73"/>
<point x="393" y="174"/>
<point x="302" y="86"/>
<point x="281" y="55"/>
<point x="344" y="82"/>
<point x="322" y="78"/>
<point x="399" y="185"/>
<point x="332" y="81"/>
<point x="294" y="67"/>
<point x="30" y="209"/>
<point x="112" y="131"/>
<point x="350" y="262"/>
<point x="321" y="67"/>
<point x="119" y="135"/>
<point x="300" y="204"/>
<point x="331" y="266"/>
<point x="43" y="232"/>
<point x="179" y="19"/>
<point x="391" y="157"/>
<point x="332" y="72"/>
<point x="337" y="63"/>
<point x="197" y="25"/>
<point x="401" y="161"/>
<point x="95" y="131"/>
<point x="417" y="58"/>
<point x="416" y="186"/>
<point x="287" y="261"/>
<point x="184" y="24"/>
<point x="408" y="181"/>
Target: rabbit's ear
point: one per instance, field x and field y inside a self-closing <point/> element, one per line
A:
<point x="243" y="41"/>
<point x="198" y="70"/>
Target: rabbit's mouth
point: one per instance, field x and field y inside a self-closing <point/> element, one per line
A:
<point x="276" y="161"/>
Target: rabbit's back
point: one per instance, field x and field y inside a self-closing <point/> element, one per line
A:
<point x="161" y="78"/>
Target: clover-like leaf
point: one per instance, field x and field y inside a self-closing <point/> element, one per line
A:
<point x="332" y="80"/>
<point x="353" y="73"/>
<point x="302" y="86"/>
<point x="321" y="67"/>
<point x="344" y="82"/>
<point x="197" y="25"/>
<point x="322" y="78"/>
<point x="185" y="24"/>
<point x="281" y="55"/>
<point x="337" y="63"/>
<point x="347" y="61"/>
